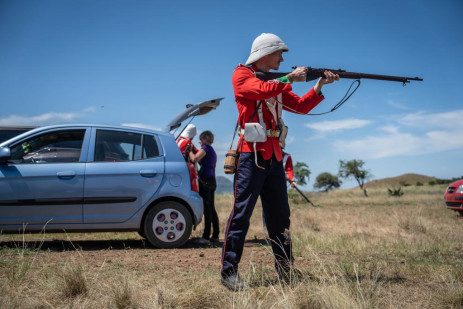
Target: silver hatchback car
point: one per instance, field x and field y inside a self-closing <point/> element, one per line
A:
<point x="84" y="178"/>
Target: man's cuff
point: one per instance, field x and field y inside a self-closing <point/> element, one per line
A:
<point x="320" y="94"/>
<point x="284" y="79"/>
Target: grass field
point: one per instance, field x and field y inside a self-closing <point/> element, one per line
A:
<point x="354" y="252"/>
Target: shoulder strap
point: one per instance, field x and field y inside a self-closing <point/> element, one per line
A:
<point x="260" y="113"/>
<point x="280" y="104"/>
<point x="234" y="134"/>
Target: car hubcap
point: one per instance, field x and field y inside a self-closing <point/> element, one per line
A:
<point x="169" y="225"/>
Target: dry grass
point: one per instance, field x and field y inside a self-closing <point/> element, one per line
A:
<point x="75" y="283"/>
<point x="354" y="252"/>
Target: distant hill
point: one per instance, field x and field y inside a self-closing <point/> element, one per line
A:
<point x="400" y="181"/>
<point x="224" y="185"/>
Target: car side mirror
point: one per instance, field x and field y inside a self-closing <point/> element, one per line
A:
<point x="5" y="154"/>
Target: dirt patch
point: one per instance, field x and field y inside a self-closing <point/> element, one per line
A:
<point x="135" y="254"/>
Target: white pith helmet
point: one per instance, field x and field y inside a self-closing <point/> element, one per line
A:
<point x="189" y="132"/>
<point x="264" y="45"/>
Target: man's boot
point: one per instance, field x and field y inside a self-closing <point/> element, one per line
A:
<point x="233" y="282"/>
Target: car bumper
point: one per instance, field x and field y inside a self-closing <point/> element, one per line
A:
<point x="197" y="208"/>
<point x="455" y="205"/>
<point x="454" y="201"/>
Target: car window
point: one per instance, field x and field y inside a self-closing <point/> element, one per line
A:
<point x="150" y="146"/>
<point x="51" y="147"/>
<point x="7" y="134"/>
<point x="117" y="146"/>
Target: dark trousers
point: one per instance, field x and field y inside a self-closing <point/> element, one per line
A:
<point x="270" y="184"/>
<point x="207" y="188"/>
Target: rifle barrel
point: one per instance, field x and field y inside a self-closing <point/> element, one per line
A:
<point x="354" y="75"/>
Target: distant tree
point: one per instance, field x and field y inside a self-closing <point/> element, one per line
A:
<point x="326" y="181"/>
<point x="301" y="173"/>
<point x="354" y="168"/>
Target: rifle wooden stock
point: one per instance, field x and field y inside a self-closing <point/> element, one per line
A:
<point x="314" y="73"/>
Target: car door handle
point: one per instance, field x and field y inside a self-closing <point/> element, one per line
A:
<point x="66" y="174"/>
<point x="148" y="173"/>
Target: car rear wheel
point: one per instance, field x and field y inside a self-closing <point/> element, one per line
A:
<point x="168" y="225"/>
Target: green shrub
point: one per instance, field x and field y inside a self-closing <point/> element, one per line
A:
<point x="396" y="192"/>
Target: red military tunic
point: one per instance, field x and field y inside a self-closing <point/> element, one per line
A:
<point x="184" y="142"/>
<point x="288" y="164"/>
<point x="249" y="89"/>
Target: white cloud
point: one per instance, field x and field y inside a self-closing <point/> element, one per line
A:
<point x="315" y="137"/>
<point x="445" y="140"/>
<point x="380" y="146"/>
<point x="395" y="143"/>
<point x="390" y="129"/>
<point x="338" y="125"/>
<point x="141" y="125"/>
<point x="426" y="120"/>
<point x="90" y="109"/>
<point x="47" y="118"/>
<point x="290" y="139"/>
<point x="437" y="132"/>
<point x="397" y="105"/>
<point x="44" y="119"/>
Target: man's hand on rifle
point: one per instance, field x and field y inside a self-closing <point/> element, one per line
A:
<point x="329" y="78"/>
<point x="298" y="75"/>
<point x="291" y="182"/>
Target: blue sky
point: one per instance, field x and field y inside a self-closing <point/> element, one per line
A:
<point x="140" y="62"/>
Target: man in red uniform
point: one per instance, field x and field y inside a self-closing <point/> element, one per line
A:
<point x="185" y="143"/>
<point x="185" y="140"/>
<point x="288" y="164"/>
<point x="260" y="169"/>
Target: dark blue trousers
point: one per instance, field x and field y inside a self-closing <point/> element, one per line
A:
<point x="270" y="184"/>
<point x="207" y="188"/>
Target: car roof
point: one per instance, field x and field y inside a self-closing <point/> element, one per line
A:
<point x="13" y="128"/>
<point x="103" y="126"/>
<point x="100" y="126"/>
<point x="191" y="110"/>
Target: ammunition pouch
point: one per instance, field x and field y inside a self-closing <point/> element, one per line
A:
<point x="254" y="132"/>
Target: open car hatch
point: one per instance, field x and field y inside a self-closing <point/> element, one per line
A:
<point x="192" y="110"/>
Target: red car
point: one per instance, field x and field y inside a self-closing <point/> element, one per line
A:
<point x="454" y="196"/>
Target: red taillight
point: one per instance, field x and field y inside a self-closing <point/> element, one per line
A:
<point x="193" y="177"/>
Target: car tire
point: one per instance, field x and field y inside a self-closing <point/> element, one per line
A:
<point x="168" y="225"/>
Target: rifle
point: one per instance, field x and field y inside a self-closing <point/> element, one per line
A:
<point x="314" y="73"/>
<point x="302" y="194"/>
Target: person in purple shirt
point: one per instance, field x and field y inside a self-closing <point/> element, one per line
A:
<point x="207" y="159"/>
